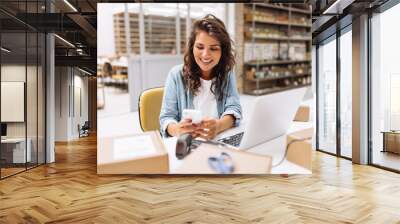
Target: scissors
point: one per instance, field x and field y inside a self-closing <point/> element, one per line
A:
<point x="222" y="164"/>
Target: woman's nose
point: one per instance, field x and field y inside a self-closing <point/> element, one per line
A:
<point x="206" y="52"/>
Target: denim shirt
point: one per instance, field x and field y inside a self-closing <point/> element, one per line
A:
<point x="176" y="99"/>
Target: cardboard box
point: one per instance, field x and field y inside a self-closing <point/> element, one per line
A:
<point x="244" y="162"/>
<point x="302" y="114"/>
<point x="132" y="154"/>
<point x="300" y="152"/>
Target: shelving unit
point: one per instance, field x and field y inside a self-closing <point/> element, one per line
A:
<point x="278" y="77"/>
<point x="273" y="90"/>
<point x="276" y="62"/>
<point x="159" y="31"/>
<point x="276" y="47"/>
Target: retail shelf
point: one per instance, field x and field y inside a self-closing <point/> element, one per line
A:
<point x="256" y="36"/>
<point x="275" y="89"/>
<point x="250" y="18"/>
<point x="283" y="8"/>
<point x="159" y="33"/>
<point x="276" y="62"/>
<point x="277" y="78"/>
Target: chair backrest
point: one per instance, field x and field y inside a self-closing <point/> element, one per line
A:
<point x="149" y="108"/>
<point x="86" y="125"/>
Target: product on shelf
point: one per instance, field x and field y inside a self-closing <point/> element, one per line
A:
<point x="260" y="51"/>
<point x="300" y="20"/>
<point x="300" y="34"/>
<point x="297" y="51"/>
<point x="276" y="48"/>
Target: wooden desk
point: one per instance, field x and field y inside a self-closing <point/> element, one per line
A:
<point x="391" y="141"/>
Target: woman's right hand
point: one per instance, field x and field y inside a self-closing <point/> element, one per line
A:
<point x="184" y="126"/>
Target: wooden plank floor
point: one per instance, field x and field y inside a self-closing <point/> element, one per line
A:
<point x="10" y="171"/>
<point x="70" y="191"/>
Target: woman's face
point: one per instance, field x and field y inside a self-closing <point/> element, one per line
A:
<point x="207" y="52"/>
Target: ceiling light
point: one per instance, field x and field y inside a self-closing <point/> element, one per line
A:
<point x="337" y="7"/>
<point x="5" y="50"/>
<point x="64" y="40"/>
<point x="86" y="72"/>
<point x="79" y="51"/>
<point x="70" y="5"/>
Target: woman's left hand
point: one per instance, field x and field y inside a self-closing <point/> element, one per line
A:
<point x="209" y="128"/>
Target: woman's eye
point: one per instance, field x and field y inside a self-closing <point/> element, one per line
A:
<point x="214" y="49"/>
<point x="200" y="48"/>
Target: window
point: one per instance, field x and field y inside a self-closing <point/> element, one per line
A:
<point x="395" y="102"/>
<point x="346" y="92"/>
<point x="385" y="89"/>
<point x="327" y="95"/>
<point x="22" y="68"/>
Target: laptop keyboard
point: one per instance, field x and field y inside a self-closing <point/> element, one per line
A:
<point x="233" y="139"/>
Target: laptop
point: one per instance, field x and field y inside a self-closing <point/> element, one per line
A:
<point x="270" y="117"/>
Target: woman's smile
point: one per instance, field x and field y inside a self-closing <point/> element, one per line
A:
<point x="207" y="53"/>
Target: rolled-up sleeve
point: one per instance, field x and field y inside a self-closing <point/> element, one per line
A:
<point x="169" y="107"/>
<point x="232" y="104"/>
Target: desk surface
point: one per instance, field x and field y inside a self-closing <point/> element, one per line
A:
<point x="128" y="123"/>
<point x="274" y="148"/>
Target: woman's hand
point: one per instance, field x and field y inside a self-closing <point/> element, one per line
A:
<point x="208" y="129"/>
<point x="184" y="126"/>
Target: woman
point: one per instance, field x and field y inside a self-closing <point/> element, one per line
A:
<point x="204" y="82"/>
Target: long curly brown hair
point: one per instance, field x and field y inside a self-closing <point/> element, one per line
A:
<point x="191" y="71"/>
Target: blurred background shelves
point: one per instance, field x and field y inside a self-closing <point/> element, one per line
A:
<point x="274" y="89"/>
<point x="160" y="32"/>
<point x="295" y="8"/>
<point x="276" y="47"/>
<point x="276" y="62"/>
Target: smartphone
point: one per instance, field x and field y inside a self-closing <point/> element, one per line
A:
<point x="194" y="115"/>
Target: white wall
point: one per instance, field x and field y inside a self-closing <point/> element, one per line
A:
<point x="70" y="83"/>
<point x="230" y="20"/>
<point x="13" y="73"/>
<point x="62" y="83"/>
<point x="80" y="114"/>
<point x="154" y="73"/>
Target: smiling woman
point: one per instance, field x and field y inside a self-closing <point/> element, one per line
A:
<point x="205" y="82"/>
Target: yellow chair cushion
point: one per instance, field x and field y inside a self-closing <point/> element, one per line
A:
<point x="149" y="108"/>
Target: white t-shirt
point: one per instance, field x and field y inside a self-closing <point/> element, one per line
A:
<point x="205" y="100"/>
